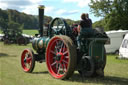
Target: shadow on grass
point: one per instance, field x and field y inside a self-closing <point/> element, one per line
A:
<point x="3" y="54"/>
<point x="44" y="72"/>
<point x="6" y="55"/>
<point x="109" y="80"/>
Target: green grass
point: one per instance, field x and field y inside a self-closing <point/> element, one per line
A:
<point x="1" y="31"/>
<point x="30" y="32"/>
<point x="11" y="73"/>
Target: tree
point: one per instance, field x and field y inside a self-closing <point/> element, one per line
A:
<point x="3" y="24"/>
<point x="15" y="28"/>
<point x="98" y="24"/>
<point x="3" y="19"/>
<point x="115" y="13"/>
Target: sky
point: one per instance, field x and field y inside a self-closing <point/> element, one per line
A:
<point x="69" y="9"/>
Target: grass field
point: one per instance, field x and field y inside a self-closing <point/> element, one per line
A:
<point x="29" y="32"/>
<point x="0" y="31"/>
<point x="116" y="71"/>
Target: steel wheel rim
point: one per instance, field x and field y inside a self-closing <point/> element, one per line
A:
<point x="57" y="58"/>
<point x="26" y="60"/>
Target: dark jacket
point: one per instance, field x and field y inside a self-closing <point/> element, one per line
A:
<point x="85" y="23"/>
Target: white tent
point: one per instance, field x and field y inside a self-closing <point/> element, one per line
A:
<point x="123" y="51"/>
<point x="116" y="37"/>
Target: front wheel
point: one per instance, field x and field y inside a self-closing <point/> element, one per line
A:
<point x="61" y="57"/>
<point x="27" y="60"/>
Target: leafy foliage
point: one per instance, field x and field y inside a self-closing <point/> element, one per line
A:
<point x="115" y="13"/>
<point x="3" y="19"/>
<point x="15" y="28"/>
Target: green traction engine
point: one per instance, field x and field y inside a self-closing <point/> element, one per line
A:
<point x="57" y="45"/>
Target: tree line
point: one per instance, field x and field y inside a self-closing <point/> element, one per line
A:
<point x="27" y="21"/>
<point x="114" y="15"/>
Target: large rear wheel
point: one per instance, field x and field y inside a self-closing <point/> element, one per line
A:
<point x="61" y="57"/>
<point x="28" y="60"/>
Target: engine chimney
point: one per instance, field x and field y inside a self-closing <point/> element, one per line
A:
<point x="41" y="19"/>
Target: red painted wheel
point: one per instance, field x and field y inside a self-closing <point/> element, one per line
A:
<point x="61" y="57"/>
<point x="28" y="60"/>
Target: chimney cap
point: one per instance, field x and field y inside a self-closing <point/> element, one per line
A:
<point x="41" y="6"/>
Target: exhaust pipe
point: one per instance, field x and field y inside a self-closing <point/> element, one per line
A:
<point x="41" y="19"/>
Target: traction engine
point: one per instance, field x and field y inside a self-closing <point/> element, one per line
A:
<point x="58" y="47"/>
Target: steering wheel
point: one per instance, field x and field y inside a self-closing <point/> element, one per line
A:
<point x="58" y="26"/>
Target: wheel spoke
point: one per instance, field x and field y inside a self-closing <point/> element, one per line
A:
<point x="57" y="24"/>
<point x="28" y="60"/>
<point x="65" y="52"/>
<point x="53" y="63"/>
<point x="57" y="66"/>
<point x="58" y="69"/>
<point x="66" y="56"/>
<point x="56" y="44"/>
<point x="26" y="55"/>
<point x="61" y="47"/>
<point x="29" y="64"/>
<point x="57" y="47"/>
<point x="53" y="52"/>
<point x="65" y="61"/>
<point x="62" y="27"/>
<point x="64" y="67"/>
